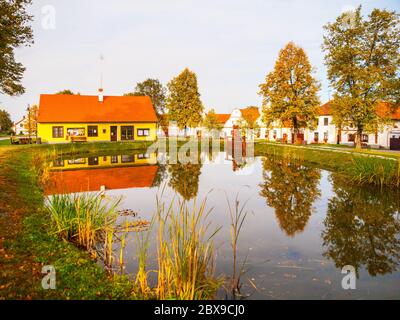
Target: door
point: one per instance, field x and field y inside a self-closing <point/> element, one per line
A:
<point x="113" y="133"/>
<point x="394" y="143"/>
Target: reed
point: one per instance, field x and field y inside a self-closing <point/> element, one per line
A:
<point x="185" y="252"/>
<point x="82" y="218"/>
<point x="375" y="171"/>
<point x="237" y="215"/>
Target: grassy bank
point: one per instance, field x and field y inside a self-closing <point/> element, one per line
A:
<point x="361" y="167"/>
<point x="27" y="245"/>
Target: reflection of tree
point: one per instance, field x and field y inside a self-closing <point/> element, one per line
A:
<point x="290" y="188"/>
<point x="362" y="227"/>
<point x="184" y="178"/>
<point x="161" y="175"/>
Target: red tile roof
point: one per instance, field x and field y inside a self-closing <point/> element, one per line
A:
<point x="250" y="113"/>
<point x="325" y="109"/>
<point x="71" y="181"/>
<point x="222" y="117"/>
<point x="382" y="109"/>
<point x="78" y="108"/>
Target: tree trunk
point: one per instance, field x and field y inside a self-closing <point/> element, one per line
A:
<point x="295" y="130"/>
<point x="358" y="138"/>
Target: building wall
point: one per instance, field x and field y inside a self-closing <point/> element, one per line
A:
<point x="105" y="161"/>
<point x="45" y="131"/>
<point x="322" y="130"/>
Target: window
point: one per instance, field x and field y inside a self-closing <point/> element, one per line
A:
<point x="326" y="135"/>
<point x="326" y="121"/>
<point x="143" y="132"/>
<point x="351" y="137"/>
<point x="58" y="163"/>
<point x="75" y="132"/>
<point x="126" y="132"/>
<point x="58" y="132"/>
<point x="92" y="131"/>
<point x="93" y="161"/>
<point x="77" y="161"/>
<point x="143" y="156"/>
<point x="127" y="158"/>
<point x="316" y="136"/>
<point x="114" y="159"/>
<point x="364" y="138"/>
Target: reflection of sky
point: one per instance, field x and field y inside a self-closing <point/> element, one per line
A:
<point x="286" y="267"/>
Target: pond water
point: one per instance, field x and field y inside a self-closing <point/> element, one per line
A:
<point x="303" y="224"/>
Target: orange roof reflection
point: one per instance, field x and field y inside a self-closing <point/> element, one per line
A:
<point x="92" y="179"/>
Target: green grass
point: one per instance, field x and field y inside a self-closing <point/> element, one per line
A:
<point x="361" y="167"/>
<point x="78" y="276"/>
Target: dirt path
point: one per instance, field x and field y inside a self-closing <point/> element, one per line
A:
<point x="18" y="272"/>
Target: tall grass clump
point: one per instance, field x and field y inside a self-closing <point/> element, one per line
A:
<point x="82" y="218"/>
<point x="380" y="172"/>
<point x="186" y="256"/>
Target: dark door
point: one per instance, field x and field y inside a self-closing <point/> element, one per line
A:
<point x="113" y="133"/>
<point x="394" y="143"/>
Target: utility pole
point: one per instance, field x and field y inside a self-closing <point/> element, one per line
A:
<point x="29" y="123"/>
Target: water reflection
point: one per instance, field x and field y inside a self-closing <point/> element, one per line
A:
<point x="290" y="188"/>
<point x="184" y="179"/>
<point x="94" y="173"/>
<point x="362" y="227"/>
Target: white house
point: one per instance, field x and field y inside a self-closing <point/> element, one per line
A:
<point x="19" y="127"/>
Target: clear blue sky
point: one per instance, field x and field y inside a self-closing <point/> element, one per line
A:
<point x="230" y="44"/>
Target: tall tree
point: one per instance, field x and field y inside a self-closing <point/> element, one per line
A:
<point x="31" y="120"/>
<point x="290" y="91"/>
<point x="363" y="61"/>
<point x="66" y="91"/>
<point x="5" y="122"/>
<point x="153" y="89"/>
<point x="249" y="120"/>
<point x="211" y="122"/>
<point x="14" y="32"/>
<point x="183" y="103"/>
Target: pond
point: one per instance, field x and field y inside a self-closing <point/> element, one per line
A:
<point x="303" y="224"/>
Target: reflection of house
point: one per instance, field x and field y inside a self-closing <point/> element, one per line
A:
<point x="19" y="127"/>
<point x="65" y="118"/>
<point x="71" y="181"/>
<point x="104" y="161"/>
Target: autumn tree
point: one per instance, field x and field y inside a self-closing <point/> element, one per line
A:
<point x="153" y="89"/>
<point x="363" y="61"/>
<point x="14" y="32"/>
<point x="66" y="91"/>
<point x="183" y="103"/>
<point x="5" y="122"/>
<point x="290" y="91"/>
<point x="249" y="119"/>
<point x="211" y="122"/>
<point x="290" y="188"/>
<point x="31" y="120"/>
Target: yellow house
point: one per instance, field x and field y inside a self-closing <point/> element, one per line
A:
<point x="67" y="118"/>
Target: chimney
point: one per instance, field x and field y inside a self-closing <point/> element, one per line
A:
<point x="100" y="94"/>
